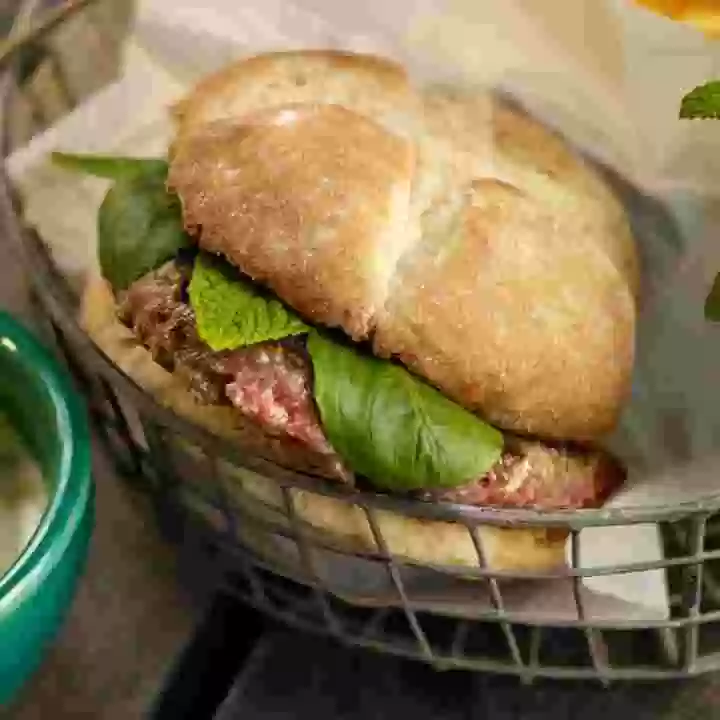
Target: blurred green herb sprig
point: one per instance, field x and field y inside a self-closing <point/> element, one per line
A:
<point x="704" y="103"/>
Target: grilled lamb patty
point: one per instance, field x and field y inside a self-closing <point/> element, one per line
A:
<point x="271" y="385"/>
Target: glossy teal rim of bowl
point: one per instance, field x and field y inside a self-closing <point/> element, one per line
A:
<point x="72" y="473"/>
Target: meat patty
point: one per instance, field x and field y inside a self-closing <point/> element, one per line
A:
<point x="271" y="384"/>
<point x="533" y="474"/>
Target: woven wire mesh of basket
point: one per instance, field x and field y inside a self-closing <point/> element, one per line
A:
<point x="269" y="557"/>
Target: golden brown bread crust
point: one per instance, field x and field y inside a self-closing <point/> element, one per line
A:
<point x="311" y="200"/>
<point x="372" y="86"/>
<point x="507" y="279"/>
<point x="528" y="345"/>
<point x="525" y="143"/>
<point x="530" y="255"/>
<point x="337" y="522"/>
<point x="423" y="542"/>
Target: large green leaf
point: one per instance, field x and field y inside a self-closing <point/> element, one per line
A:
<point x="139" y="228"/>
<point x="393" y="428"/>
<point x="231" y="312"/>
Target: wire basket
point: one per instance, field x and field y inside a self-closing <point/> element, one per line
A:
<point x="190" y="476"/>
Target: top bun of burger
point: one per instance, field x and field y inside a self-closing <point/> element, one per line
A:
<point x="444" y="227"/>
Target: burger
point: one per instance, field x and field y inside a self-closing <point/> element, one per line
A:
<point x="416" y="291"/>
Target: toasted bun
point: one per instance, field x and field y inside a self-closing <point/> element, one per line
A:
<point x="368" y="85"/>
<point x="454" y="232"/>
<point x="337" y="522"/>
<point x="425" y="542"/>
<point x="326" y="186"/>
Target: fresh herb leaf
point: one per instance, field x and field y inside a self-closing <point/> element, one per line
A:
<point x="110" y="167"/>
<point x="393" y="428"/>
<point x="140" y="227"/>
<point x="712" y="302"/>
<point x="231" y="312"/>
<point x="702" y="102"/>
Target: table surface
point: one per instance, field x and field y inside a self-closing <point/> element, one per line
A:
<point x="294" y="676"/>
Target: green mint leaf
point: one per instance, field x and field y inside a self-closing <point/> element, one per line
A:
<point x="140" y="226"/>
<point x="110" y="167"/>
<point x="702" y="102"/>
<point x="393" y="428"/>
<point x="231" y="312"/>
<point x="712" y="302"/>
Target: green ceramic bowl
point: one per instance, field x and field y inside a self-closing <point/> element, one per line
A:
<point x="35" y="593"/>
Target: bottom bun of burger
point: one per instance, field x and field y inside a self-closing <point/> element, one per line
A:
<point x="334" y="521"/>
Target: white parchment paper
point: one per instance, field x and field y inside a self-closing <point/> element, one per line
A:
<point x="610" y="76"/>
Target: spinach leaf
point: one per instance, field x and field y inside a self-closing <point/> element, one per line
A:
<point x="231" y="312"/>
<point x="393" y="428"/>
<point x="140" y="227"/>
<point x="109" y="166"/>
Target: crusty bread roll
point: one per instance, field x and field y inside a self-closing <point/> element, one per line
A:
<point x="335" y="521"/>
<point x="450" y="230"/>
<point x="350" y="175"/>
<point x="368" y="85"/>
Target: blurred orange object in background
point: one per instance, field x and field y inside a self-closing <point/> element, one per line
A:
<point x="703" y="14"/>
